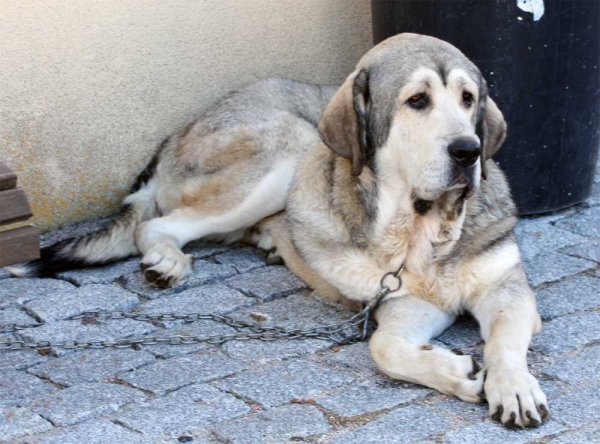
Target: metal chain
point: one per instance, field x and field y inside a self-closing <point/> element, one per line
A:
<point x="333" y="332"/>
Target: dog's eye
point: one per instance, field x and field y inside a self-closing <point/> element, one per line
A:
<point x="468" y="99"/>
<point x="418" y="101"/>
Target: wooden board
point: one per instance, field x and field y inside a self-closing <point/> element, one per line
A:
<point x="14" y="206"/>
<point x="8" y="179"/>
<point x="18" y="245"/>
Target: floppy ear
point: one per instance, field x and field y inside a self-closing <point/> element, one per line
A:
<point x="491" y="129"/>
<point x="343" y="127"/>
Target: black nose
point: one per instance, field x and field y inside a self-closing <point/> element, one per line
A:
<point x="465" y="151"/>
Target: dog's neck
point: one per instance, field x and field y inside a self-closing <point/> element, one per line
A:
<point x="388" y="219"/>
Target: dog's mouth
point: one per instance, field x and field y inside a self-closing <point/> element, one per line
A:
<point x="466" y="182"/>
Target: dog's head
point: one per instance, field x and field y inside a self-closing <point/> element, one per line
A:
<point x="416" y="110"/>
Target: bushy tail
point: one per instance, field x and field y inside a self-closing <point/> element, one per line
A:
<point x="109" y="244"/>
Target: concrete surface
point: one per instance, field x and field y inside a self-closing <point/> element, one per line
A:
<point x="283" y="391"/>
<point x="90" y="88"/>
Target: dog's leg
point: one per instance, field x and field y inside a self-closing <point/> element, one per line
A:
<point x="508" y="317"/>
<point x="401" y="349"/>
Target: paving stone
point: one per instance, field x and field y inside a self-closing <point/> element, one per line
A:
<point x="102" y="275"/>
<point x="281" y="383"/>
<point x="16" y="316"/>
<point x="74" y="230"/>
<point x="14" y="292"/>
<point x="577" y="408"/>
<point x="355" y="359"/>
<point x="464" y="333"/>
<point x="19" y="389"/>
<point x="568" y="333"/>
<point x="17" y="422"/>
<point x="217" y="299"/>
<point x="182" y="371"/>
<point x="568" y="296"/>
<point x="590" y="251"/>
<point x="260" y="352"/>
<point x="183" y="411"/>
<point x="20" y="359"/>
<point x="85" y="401"/>
<point x="202" y="249"/>
<point x="404" y="425"/>
<point x="242" y="259"/>
<point x="267" y="283"/>
<point x="540" y="238"/>
<point x="586" y="222"/>
<point x="200" y="328"/>
<point x="95" y="297"/>
<point x="204" y="272"/>
<point x="96" y="432"/>
<point x="578" y="370"/>
<point x="462" y="412"/>
<point x="491" y="432"/>
<point x="77" y="330"/>
<point x="372" y="396"/>
<point x="594" y="198"/>
<point x="291" y="422"/>
<point x="91" y="365"/>
<point x="586" y="435"/>
<point x="4" y="274"/>
<point x="300" y="310"/>
<point x="551" y="267"/>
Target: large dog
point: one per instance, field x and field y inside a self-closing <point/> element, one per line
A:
<point x="347" y="185"/>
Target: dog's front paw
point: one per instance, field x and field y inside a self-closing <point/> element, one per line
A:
<point x="515" y="397"/>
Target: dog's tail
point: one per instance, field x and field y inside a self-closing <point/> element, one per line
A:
<point x="109" y="244"/>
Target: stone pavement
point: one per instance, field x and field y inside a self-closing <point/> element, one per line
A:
<point x="283" y="391"/>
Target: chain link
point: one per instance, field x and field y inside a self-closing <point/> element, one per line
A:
<point x="339" y="333"/>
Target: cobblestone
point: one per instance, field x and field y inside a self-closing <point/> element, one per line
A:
<point x="16" y="316"/>
<point x="183" y="411"/>
<point x="102" y="275"/>
<point x="281" y="391"/>
<point x="291" y="422"/>
<point x="579" y="370"/>
<point x="552" y="267"/>
<point x="217" y="299"/>
<point x="80" y="331"/>
<point x="89" y="298"/>
<point x="493" y="433"/>
<point x="586" y="222"/>
<point x="371" y="396"/>
<point x="568" y="333"/>
<point x="242" y="259"/>
<point x="283" y="382"/>
<point x="204" y="272"/>
<point x="14" y="292"/>
<point x="18" y="422"/>
<point x="20" y="389"/>
<point x="535" y="239"/>
<point x="97" y="432"/>
<point x="91" y="365"/>
<point x="568" y="296"/>
<point x="182" y="371"/>
<point x="578" y="408"/>
<point x="76" y="404"/>
<point x="393" y="427"/>
<point x="267" y="283"/>
<point x="590" y="251"/>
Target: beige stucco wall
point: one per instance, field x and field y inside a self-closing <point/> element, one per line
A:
<point x="88" y="87"/>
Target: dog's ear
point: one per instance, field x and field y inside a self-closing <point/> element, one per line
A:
<point x="491" y="129"/>
<point x="343" y="127"/>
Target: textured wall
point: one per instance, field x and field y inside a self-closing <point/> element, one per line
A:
<point x="88" y="88"/>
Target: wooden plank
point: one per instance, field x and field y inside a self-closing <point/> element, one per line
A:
<point x="8" y="179"/>
<point x="19" y="244"/>
<point x="14" y="206"/>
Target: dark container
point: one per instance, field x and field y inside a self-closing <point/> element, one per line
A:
<point x="543" y="72"/>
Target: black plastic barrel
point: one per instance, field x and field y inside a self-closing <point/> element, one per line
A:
<point x="541" y="61"/>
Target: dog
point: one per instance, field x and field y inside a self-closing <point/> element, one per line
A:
<point x="391" y="170"/>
